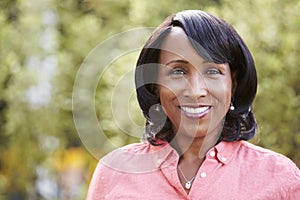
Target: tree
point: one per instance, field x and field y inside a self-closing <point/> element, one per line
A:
<point x="271" y="30"/>
<point x="43" y="45"/>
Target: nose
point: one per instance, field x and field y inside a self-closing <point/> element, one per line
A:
<point x="196" y="86"/>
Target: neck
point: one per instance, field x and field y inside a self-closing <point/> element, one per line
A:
<point x="194" y="149"/>
<point x="192" y="152"/>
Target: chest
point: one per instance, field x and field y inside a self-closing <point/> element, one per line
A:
<point x="218" y="182"/>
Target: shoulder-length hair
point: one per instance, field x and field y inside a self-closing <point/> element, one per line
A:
<point x="223" y="45"/>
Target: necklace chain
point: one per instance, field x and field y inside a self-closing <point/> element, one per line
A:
<point x="188" y="183"/>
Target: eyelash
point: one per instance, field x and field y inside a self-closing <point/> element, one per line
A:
<point x="209" y="71"/>
<point x="213" y="71"/>
<point x="177" y="71"/>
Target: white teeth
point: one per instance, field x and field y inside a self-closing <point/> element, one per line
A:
<point x="195" y="110"/>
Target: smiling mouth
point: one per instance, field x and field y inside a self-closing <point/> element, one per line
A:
<point x="195" y="112"/>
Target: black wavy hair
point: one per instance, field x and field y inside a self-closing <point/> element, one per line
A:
<point x="222" y="44"/>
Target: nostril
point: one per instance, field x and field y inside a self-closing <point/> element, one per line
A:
<point x="196" y="92"/>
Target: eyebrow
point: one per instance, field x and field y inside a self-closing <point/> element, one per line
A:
<point x="186" y="62"/>
<point x="179" y="61"/>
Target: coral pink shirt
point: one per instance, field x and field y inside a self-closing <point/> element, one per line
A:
<point x="231" y="170"/>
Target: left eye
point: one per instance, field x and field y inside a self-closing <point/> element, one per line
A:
<point x="213" y="71"/>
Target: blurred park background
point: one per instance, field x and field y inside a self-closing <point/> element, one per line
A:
<point x="43" y="44"/>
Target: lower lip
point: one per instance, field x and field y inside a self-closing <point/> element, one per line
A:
<point x="196" y="115"/>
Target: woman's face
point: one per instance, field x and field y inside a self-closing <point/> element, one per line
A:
<point x="194" y="93"/>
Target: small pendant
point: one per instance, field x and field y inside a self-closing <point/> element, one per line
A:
<point x="188" y="185"/>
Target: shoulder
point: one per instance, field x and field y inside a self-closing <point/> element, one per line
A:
<point x="136" y="158"/>
<point x="253" y="157"/>
<point x="271" y="165"/>
<point x="113" y="167"/>
<point x="264" y="155"/>
<point x="279" y="168"/>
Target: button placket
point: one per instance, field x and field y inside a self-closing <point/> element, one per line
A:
<point x="201" y="181"/>
<point x="212" y="155"/>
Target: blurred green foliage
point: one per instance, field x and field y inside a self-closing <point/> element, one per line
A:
<point x="43" y="44"/>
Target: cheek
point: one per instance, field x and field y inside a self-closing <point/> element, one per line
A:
<point x="227" y="87"/>
<point x="221" y="91"/>
<point x="169" y="90"/>
<point x="227" y="91"/>
<point x="169" y="102"/>
<point x="166" y="96"/>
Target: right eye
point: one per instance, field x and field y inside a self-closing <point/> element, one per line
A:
<point x="177" y="71"/>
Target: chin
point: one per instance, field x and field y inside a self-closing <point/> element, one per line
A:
<point x="191" y="132"/>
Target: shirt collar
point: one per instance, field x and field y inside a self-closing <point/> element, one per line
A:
<point x="224" y="151"/>
<point x="142" y="158"/>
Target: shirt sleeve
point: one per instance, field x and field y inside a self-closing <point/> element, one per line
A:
<point x="96" y="189"/>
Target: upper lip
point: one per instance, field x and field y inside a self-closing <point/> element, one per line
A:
<point x="195" y="105"/>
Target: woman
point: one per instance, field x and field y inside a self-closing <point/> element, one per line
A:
<point x="196" y="81"/>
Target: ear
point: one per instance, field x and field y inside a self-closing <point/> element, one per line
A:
<point x="155" y="89"/>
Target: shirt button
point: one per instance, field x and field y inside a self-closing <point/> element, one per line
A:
<point x="223" y="159"/>
<point x="212" y="153"/>
<point x="203" y="174"/>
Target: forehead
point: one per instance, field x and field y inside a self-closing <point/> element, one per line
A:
<point x="177" y="45"/>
